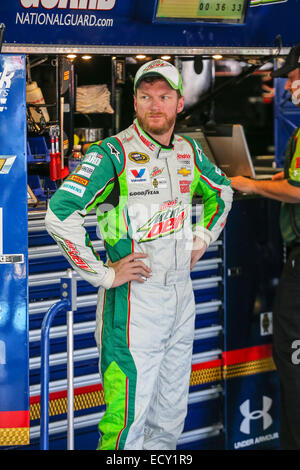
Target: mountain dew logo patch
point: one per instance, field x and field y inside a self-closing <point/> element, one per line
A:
<point x="156" y="171"/>
<point x="163" y="223"/>
<point x="73" y="253"/>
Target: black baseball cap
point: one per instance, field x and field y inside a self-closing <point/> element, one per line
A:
<point x="291" y="63"/>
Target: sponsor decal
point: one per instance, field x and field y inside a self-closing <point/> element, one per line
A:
<point x="127" y="139"/>
<point x="256" y="440"/>
<point x="157" y="63"/>
<point x="7" y="258"/>
<point x="146" y="141"/>
<point x="183" y="171"/>
<point x="156" y="171"/>
<point x="73" y="188"/>
<point x="183" y="157"/>
<point x="6" y="163"/>
<point x="147" y="192"/>
<point x="255" y="3"/>
<point x="73" y="253"/>
<point x="84" y="170"/>
<point x="255" y="414"/>
<point x="11" y="259"/>
<point x="2" y="352"/>
<point x="5" y="84"/>
<point x="69" y="19"/>
<point x="251" y="415"/>
<point x="69" y="4"/>
<point x="65" y="13"/>
<point x="169" y="204"/>
<point x="114" y="151"/>
<point x="138" y="175"/>
<point x="94" y="158"/>
<point x="160" y="183"/>
<point x="199" y="150"/>
<point x="163" y="223"/>
<point x="78" y="179"/>
<point x="184" y="186"/>
<point x="266" y="324"/>
<point x="137" y="157"/>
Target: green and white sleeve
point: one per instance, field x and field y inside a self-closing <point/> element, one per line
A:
<point x="87" y="187"/>
<point x="215" y="189"/>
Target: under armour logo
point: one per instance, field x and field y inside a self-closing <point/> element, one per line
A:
<point x="256" y="414"/>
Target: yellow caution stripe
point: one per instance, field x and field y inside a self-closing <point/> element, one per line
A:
<point x="14" y="428"/>
<point x="247" y="361"/>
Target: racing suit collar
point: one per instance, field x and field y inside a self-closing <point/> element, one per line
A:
<point x="159" y="150"/>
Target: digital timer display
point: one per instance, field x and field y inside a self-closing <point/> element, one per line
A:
<point x="228" y="11"/>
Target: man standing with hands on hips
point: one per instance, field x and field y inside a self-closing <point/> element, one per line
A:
<point x="285" y="187"/>
<point x="141" y="183"/>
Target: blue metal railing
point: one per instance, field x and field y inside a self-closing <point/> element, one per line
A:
<point x="67" y="304"/>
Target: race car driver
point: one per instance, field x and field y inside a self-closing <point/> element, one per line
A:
<point x="141" y="183"/>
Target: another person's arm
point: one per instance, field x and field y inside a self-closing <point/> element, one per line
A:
<point x="278" y="188"/>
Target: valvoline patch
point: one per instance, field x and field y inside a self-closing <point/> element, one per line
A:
<point x="138" y="175"/>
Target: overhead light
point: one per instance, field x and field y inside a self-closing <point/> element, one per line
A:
<point x="165" y="57"/>
<point x="71" y="56"/>
<point x="217" y="56"/>
<point x="140" y="56"/>
<point x="86" y="57"/>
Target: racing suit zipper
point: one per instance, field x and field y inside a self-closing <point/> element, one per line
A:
<point x="172" y="198"/>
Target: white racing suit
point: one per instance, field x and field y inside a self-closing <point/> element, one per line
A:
<point x="142" y="193"/>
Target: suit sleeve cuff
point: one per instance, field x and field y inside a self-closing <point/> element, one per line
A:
<point x="203" y="234"/>
<point x="109" y="278"/>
